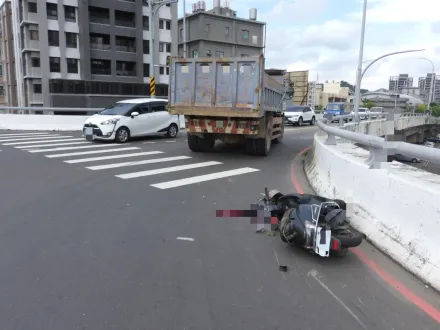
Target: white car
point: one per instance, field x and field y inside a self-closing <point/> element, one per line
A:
<point x="362" y="113"/>
<point x="132" y="118"/>
<point x="299" y="114"/>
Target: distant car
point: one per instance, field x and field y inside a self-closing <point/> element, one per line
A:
<point x="403" y="158"/>
<point x="299" y="114"/>
<point x="362" y="113"/>
<point x="132" y="118"/>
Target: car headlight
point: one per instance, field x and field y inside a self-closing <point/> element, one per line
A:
<point x="325" y="112"/>
<point x="110" y="122"/>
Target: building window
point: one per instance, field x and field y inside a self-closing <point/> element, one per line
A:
<point x="164" y="24"/>
<point x="164" y="47"/>
<point x="71" y="40"/>
<point x="161" y="70"/>
<point x="146" y="23"/>
<point x="145" y="3"/>
<point x="101" y="67"/>
<point x="227" y="31"/>
<point x="181" y="33"/>
<point x="207" y="28"/>
<point x="245" y="34"/>
<point x="37" y="88"/>
<point x="35" y="62"/>
<point x="70" y="13"/>
<point x="219" y="54"/>
<point x="72" y="65"/>
<point x="54" y="38"/>
<point x="32" y="7"/>
<point x="1" y="70"/>
<point x="146" y="70"/>
<point x="125" y="19"/>
<point x="33" y="34"/>
<point x="125" y="44"/>
<point x="52" y="10"/>
<point x="168" y="48"/>
<point x="100" y="41"/>
<point x="208" y="53"/>
<point x="167" y="70"/>
<point x="99" y="15"/>
<point x="54" y="64"/>
<point x="146" y="47"/>
<point x="2" y="90"/>
<point x="125" y="68"/>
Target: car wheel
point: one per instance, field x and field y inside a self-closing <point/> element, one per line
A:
<point x="300" y="121"/>
<point x="312" y="122"/>
<point x="122" y="135"/>
<point x="172" y="131"/>
<point x="414" y="160"/>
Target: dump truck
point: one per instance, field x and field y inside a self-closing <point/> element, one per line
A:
<point x="228" y="99"/>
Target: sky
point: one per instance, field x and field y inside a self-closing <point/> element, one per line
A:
<point x="323" y="36"/>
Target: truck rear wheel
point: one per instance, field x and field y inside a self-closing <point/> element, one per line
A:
<point x="263" y="146"/>
<point x="193" y="143"/>
<point x="206" y="143"/>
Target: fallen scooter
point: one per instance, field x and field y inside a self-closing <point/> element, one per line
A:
<point x="312" y="222"/>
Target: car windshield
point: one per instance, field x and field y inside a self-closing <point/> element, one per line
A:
<point x="117" y="109"/>
<point x="294" y="109"/>
<point x="333" y="107"/>
<point x="362" y="109"/>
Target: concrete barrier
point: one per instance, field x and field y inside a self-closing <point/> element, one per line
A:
<point x="396" y="208"/>
<point x="47" y="122"/>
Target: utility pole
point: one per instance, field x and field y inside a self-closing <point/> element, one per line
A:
<point x="153" y="8"/>
<point x="184" y="29"/>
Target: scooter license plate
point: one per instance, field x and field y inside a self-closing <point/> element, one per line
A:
<point x="323" y="240"/>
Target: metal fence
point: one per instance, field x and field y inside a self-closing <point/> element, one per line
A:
<point x="380" y="148"/>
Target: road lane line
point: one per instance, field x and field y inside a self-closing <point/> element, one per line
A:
<point x="203" y="178"/>
<point x="140" y="162"/>
<point x="185" y="239"/>
<point x="93" y="159"/>
<point x="50" y="145"/>
<point x="90" y="152"/>
<point x="23" y="134"/>
<point x="76" y="148"/>
<point x="49" y="141"/>
<point x="166" y="170"/>
<point x="34" y="138"/>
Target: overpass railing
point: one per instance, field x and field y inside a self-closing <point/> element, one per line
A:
<point x="380" y="148"/>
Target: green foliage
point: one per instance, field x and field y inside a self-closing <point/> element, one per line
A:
<point x="421" y="108"/>
<point x="435" y="110"/>
<point x="368" y="103"/>
<point x="352" y="87"/>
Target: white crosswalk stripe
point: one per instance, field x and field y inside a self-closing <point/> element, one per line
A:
<point x="203" y="178"/>
<point x="166" y="170"/>
<point x="94" y="159"/>
<point x="90" y="152"/>
<point x="56" y="136"/>
<point x="46" y="141"/>
<point x="139" y="162"/>
<point x="23" y="134"/>
<point x="76" y="148"/>
<point x="51" y="145"/>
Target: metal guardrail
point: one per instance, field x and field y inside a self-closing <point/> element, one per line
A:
<point x="380" y="148"/>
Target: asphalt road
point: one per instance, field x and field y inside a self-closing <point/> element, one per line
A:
<point x="85" y="248"/>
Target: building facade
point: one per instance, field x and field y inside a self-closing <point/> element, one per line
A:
<point x="397" y="83"/>
<point x="425" y="86"/>
<point x="89" y="53"/>
<point x="8" y="81"/>
<point x="218" y="33"/>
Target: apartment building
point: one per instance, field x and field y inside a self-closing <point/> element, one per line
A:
<point x="397" y="83"/>
<point x="425" y="86"/>
<point x="219" y="32"/>
<point x="89" y="53"/>
<point x="8" y="82"/>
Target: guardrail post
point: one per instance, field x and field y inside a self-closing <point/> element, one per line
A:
<point x="377" y="157"/>
<point x="341" y="121"/>
<point x="331" y="139"/>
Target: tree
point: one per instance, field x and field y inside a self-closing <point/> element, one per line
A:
<point x="435" y="110"/>
<point x="368" y="103"/>
<point x="421" y="108"/>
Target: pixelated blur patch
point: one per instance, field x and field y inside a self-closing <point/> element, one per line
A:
<point x="257" y="214"/>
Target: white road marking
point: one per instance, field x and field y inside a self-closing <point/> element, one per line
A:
<point x="148" y="142"/>
<point x="171" y="141"/>
<point x="76" y="148"/>
<point x="185" y="239"/>
<point x="48" y="141"/>
<point x="51" y="145"/>
<point x="140" y="162"/>
<point x="313" y="273"/>
<point x="90" y="152"/>
<point x="42" y="138"/>
<point x="203" y="178"/>
<point x="23" y="134"/>
<point x="166" y="170"/>
<point x="137" y="154"/>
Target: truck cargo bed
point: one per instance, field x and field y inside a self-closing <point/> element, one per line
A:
<point x="223" y="87"/>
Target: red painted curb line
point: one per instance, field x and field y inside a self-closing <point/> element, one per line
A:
<point x="388" y="278"/>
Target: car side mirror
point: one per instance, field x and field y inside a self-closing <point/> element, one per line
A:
<point x="134" y="114"/>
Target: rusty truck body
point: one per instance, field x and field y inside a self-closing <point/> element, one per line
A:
<point x="228" y="99"/>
